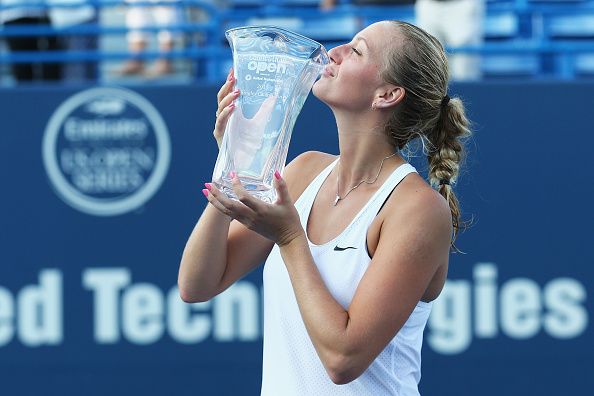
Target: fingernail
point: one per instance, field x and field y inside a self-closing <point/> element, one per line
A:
<point x="232" y="105"/>
<point x="205" y="191"/>
<point x="232" y="174"/>
<point x="236" y="91"/>
<point x="207" y="185"/>
<point x="277" y="175"/>
<point x="231" y="77"/>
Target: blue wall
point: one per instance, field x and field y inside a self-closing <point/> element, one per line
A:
<point x="89" y="255"/>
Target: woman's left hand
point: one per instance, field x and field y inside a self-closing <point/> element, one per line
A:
<point x="278" y="222"/>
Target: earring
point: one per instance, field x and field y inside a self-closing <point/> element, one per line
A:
<point x="373" y="106"/>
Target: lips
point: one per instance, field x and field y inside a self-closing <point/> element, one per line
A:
<point x="327" y="71"/>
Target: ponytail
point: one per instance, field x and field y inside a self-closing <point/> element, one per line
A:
<point x="445" y="153"/>
<point x="427" y="112"/>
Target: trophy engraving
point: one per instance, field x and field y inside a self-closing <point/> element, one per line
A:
<point x="275" y="69"/>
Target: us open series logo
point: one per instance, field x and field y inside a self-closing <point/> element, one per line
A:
<point x="106" y="151"/>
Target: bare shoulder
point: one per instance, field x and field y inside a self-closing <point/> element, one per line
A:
<point x="416" y="198"/>
<point x="417" y="209"/>
<point x="300" y="172"/>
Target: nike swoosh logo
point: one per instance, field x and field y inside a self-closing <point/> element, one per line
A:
<point x="341" y="249"/>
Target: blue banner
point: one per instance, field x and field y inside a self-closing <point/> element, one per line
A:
<point x="102" y="187"/>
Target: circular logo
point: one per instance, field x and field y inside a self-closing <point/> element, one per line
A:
<point x="106" y="151"/>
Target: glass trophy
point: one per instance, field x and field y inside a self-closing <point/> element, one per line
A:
<point x="275" y="70"/>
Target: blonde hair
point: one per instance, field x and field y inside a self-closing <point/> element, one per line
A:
<point x="420" y="66"/>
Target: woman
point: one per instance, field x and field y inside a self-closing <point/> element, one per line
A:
<point x="351" y="267"/>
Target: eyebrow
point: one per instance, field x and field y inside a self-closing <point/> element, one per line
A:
<point x="359" y="38"/>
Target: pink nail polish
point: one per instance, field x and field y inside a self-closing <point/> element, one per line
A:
<point x="232" y="174"/>
<point x="277" y="175"/>
<point x="205" y="191"/>
<point x="207" y="185"/>
<point x="232" y="105"/>
<point x="236" y="91"/>
<point x="231" y="77"/>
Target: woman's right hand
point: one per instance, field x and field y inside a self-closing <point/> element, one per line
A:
<point x="225" y="99"/>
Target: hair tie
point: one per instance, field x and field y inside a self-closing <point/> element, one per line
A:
<point x="444" y="181"/>
<point x="445" y="101"/>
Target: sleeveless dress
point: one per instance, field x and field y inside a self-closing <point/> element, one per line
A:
<point x="291" y="366"/>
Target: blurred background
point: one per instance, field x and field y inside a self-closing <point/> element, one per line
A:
<point x="106" y="112"/>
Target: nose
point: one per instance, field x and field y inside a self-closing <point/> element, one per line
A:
<point x="336" y="53"/>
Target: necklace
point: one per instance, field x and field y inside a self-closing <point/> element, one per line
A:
<point x="338" y="197"/>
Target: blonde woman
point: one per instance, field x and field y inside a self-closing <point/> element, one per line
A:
<point x="356" y="246"/>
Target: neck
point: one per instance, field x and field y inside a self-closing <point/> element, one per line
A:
<point x="361" y="153"/>
<point x="363" y="145"/>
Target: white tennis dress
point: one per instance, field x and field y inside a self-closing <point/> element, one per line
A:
<point x="291" y="366"/>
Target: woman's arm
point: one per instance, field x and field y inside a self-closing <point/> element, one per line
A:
<point x="219" y="252"/>
<point x="414" y="242"/>
<point x="217" y="255"/>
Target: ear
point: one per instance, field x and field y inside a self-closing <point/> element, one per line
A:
<point x="389" y="96"/>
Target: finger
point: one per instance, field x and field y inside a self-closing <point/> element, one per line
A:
<point x="268" y="105"/>
<point x="282" y="191"/>
<point x="265" y="110"/>
<point x="223" y="116"/>
<point x="221" y="202"/>
<point x="208" y="192"/>
<point x="221" y="123"/>
<point x="242" y="194"/>
<point x="227" y="86"/>
<point x="230" y="207"/>
<point x="227" y="100"/>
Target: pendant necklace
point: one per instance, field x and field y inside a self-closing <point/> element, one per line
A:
<point x="338" y="197"/>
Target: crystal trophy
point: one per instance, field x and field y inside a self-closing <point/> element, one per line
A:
<point x="275" y="70"/>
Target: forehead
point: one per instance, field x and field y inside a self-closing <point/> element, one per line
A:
<point x="380" y="38"/>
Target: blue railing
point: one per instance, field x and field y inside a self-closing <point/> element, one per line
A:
<point x="524" y="29"/>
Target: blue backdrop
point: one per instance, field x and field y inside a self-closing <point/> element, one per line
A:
<point x="101" y="188"/>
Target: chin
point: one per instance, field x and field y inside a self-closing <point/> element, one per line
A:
<point x="318" y="91"/>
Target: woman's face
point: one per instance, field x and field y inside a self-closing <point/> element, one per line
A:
<point x="352" y="78"/>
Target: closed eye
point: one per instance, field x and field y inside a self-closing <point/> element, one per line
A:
<point x="356" y="51"/>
